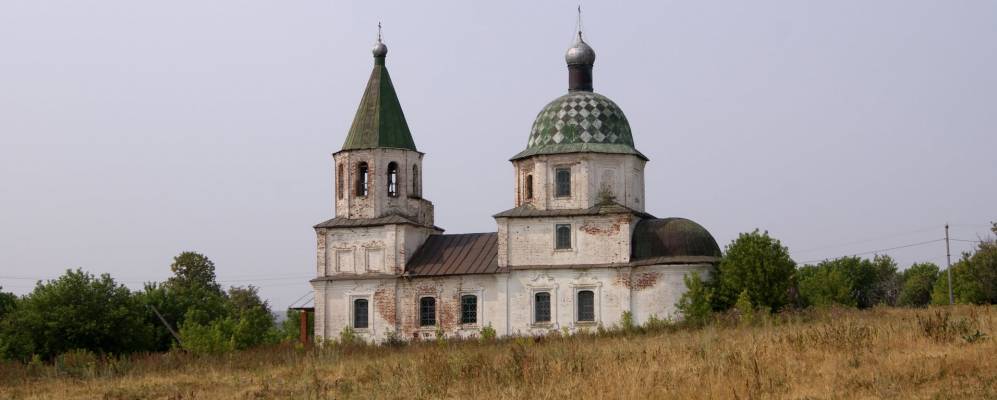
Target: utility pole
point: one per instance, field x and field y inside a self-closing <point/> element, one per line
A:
<point x="948" y="262"/>
<point x="167" y="324"/>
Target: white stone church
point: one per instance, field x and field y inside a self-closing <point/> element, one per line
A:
<point x="576" y="250"/>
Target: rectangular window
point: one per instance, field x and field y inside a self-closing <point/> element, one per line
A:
<point x="541" y="307"/>
<point x="427" y="311"/>
<point x="562" y="236"/>
<point x="586" y="306"/>
<point x="563" y="182"/>
<point x="363" y="179"/>
<point x="360" y="314"/>
<point x="393" y="179"/>
<point x="468" y="309"/>
<point x="339" y="181"/>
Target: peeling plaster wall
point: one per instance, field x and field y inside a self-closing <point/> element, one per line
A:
<point x="375" y="249"/>
<point x="656" y="289"/>
<point x="505" y="300"/>
<point x="377" y="202"/>
<point x="621" y="174"/>
<point x="395" y="305"/>
<point x="596" y="239"/>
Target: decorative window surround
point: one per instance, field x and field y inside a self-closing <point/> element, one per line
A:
<point x="370" y="320"/>
<point x="480" y="294"/>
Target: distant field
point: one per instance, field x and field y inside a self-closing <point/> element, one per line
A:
<point x="879" y="353"/>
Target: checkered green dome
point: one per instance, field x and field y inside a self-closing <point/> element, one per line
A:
<point x="580" y="121"/>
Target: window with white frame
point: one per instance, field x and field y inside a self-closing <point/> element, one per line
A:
<point x="469" y="309"/>
<point x="360" y="314"/>
<point x="586" y="306"/>
<point x="541" y="307"/>
<point x="562" y="236"/>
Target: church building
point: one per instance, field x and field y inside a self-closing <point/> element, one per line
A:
<point x="577" y="249"/>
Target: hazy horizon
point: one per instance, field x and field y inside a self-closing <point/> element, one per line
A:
<point x="133" y="131"/>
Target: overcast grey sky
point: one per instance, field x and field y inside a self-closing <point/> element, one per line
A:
<point x="132" y="130"/>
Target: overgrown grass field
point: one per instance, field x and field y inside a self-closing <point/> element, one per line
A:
<point x="814" y="354"/>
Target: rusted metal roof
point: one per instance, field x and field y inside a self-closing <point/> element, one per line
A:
<point x="459" y="254"/>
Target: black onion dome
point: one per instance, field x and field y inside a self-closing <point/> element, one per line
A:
<point x="672" y="237"/>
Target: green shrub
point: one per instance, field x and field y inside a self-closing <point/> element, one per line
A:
<point x="215" y="337"/>
<point x="627" y="323"/>
<point x="349" y="337"/>
<point x="759" y="264"/>
<point x="77" y="311"/>
<point x="695" y="305"/>
<point x="488" y="333"/>
<point x="918" y="283"/>
<point x="745" y="310"/>
<point x="654" y="324"/>
<point x="77" y="363"/>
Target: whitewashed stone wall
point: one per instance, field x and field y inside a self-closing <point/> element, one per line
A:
<point x="505" y="300"/>
<point x="621" y="174"/>
<point x="596" y="239"/>
<point x="375" y="249"/>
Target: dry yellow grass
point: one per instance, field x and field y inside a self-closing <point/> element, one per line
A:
<point x="879" y="353"/>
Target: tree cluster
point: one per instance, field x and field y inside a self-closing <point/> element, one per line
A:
<point x="80" y="311"/>
<point x="756" y="272"/>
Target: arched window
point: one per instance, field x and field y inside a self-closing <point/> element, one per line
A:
<point x="427" y="311"/>
<point x="468" y="309"/>
<point x="529" y="187"/>
<point x="339" y="181"/>
<point x="360" y="313"/>
<point x="416" y="189"/>
<point x="393" y="179"/>
<point x="586" y="306"/>
<point x="562" y="236"/>
<point x="363" y="179"/>
<point x="541" y="307"/>
<point x="562" y="179"/>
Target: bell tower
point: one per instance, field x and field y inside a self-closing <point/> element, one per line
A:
<point x="381" y="217"/>
<point x="378" y="172"/>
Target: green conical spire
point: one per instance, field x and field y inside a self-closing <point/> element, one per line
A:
<point x="380" y="121"/>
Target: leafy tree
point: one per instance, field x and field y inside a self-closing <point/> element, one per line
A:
<point x="191" y="269"/>
<point x="824" y="285"/>
<point x="191" y="295"/>
<point x="851" y="281"/>
<point x="7" y="302"/>
<point x="886" y="286"/>
<point x="214" y="337"/>
<point x="254" y="320"/>
<point x="918" y="283"/>
<point x="695" y="304"/>
<point x="247" y="322"/>
<point x="76" y="311"/>
<point x="759" y="264"/>
<point x="974" y="276"/>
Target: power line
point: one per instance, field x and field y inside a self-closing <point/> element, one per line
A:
<point x="887" y="236"/>
<point x="880" y="250"/>
<point x="968" y="241"/>
<point x="299" y="299"/>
